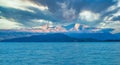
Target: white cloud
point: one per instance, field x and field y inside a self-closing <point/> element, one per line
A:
<point x="68" y="13"/>
<point x="9" y="24"/>
<point x="43" y="22"/>
<point x="22" y="4"/>
<point x="112" y="16"/>
<point x="115" y="6"/>
<point x="111" y="24"/>
<point x="89" y="16"/>
<point x="108" y="21"/>
<point x="47" y="26"/>
<point x="52" y="26"/>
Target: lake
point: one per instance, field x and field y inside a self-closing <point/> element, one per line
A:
<point x="82" y="53"/>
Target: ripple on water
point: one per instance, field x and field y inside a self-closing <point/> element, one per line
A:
<point x="59" y="53"/>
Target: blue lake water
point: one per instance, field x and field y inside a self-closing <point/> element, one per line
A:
<point x="93" y="53"/>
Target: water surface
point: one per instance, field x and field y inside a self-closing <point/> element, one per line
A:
<point x="94" y="53"/>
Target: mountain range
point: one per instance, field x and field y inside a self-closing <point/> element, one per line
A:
<point x="64" y="37"/>
<point x="76" y="33"/>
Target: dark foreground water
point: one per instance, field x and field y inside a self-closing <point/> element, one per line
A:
<point x="60" y="53"/>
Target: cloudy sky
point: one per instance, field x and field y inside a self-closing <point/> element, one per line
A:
<point x="102" y="14"/>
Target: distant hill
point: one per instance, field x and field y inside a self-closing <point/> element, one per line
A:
<point x="57" y="37"/>
<point x="97" y="36"/>
<point x="60" y="37"/>
<point x="10" y="34"/>
<point x="21" y="36"/>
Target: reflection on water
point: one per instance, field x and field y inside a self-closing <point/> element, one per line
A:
<point x="60" y="53"/>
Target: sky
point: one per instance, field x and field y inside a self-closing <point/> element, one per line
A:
<point x="58" y="15"/>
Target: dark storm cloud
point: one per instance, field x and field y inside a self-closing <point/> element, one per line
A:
<point x="55" y="9"/>
<point x="97" y="6"/>
<point x="87" y="12"/>
<point x="94" y="5"/>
